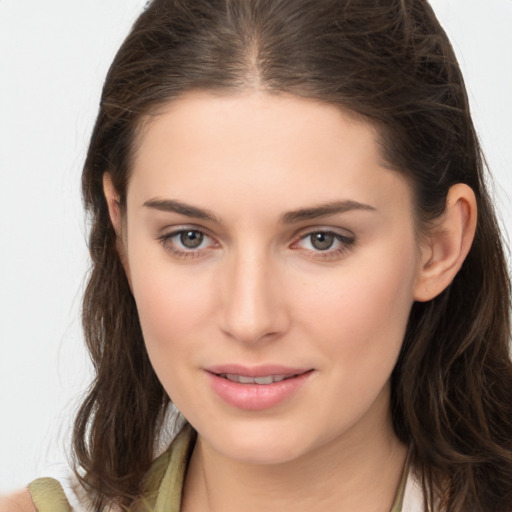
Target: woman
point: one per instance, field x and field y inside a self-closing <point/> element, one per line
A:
<point x="292" y="241"/>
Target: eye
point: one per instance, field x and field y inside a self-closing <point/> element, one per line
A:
<point x="187" y="242"/>
<point x="325" y="243"/>
<point x="191" y="239"/>
<point x="321" y="240"/>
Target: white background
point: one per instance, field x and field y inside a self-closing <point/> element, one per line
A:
<point x="53" y="58"/>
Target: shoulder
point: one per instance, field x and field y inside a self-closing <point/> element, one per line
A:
<point x="42" y="495"/>
<point x="17" y="502"/>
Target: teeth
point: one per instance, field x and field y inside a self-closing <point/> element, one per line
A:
<point x="264" y="380"/>
<point x="242" y="379"/>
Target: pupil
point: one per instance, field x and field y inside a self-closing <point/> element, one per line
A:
<point x="191" y="239"/>
<point x="322" y="241"/>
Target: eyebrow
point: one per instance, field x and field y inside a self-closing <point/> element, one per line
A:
<point x="171" y="205"/>
<point x="323" y="210"/>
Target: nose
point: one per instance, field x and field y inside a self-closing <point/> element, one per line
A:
<point x="253" y="304"/>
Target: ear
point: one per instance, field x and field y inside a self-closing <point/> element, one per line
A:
<point x="447" y="244"/>
<point x="114" y="206"/>
<point x="116" y="218"/>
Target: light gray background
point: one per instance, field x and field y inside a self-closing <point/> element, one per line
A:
<point x="53" y="58"/>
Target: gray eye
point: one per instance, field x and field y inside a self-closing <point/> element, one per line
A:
<point x="322" y="241"/>
<point x="191" y="239"/>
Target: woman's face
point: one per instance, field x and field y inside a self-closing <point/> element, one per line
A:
<point x="273" y="260"/>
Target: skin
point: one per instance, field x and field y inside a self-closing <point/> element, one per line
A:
<point x="258" y="290"/>
<point x="17" y="502"/>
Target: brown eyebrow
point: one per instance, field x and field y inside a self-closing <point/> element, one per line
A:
<point x="171" y="205"/>
<point x="324" y="210"/>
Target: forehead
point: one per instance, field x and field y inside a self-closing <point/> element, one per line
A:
<point x="264" y="146"/>
<point x="253" y="115"/>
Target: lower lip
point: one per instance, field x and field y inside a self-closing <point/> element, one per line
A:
<point x="256" y="397"/>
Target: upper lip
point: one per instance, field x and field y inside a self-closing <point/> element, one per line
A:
<point x="256" y="371"/>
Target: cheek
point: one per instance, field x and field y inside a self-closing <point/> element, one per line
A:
<point x="362" y="312"/>
<point x="172" y="312"/>
<point x="172" y="303"/>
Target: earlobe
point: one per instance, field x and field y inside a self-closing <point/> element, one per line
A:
<point x="116" y="218"/>
<point x="447" y="243"/>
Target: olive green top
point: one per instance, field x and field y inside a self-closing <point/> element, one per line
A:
<point x="163" y="483"/>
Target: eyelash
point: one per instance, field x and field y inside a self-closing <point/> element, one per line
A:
<point x="169" y="245"/>
<point x="344" y="242"/>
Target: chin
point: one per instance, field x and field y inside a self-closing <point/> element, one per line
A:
<point x="259" y="442"/>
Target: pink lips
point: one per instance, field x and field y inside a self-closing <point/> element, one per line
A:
<point x="255" y="388"/>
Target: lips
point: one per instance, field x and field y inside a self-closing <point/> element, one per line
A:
<point x="256" y="388"/>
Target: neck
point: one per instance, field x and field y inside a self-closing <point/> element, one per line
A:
<point x="349" y="473"/>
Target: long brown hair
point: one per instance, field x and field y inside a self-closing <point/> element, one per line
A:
<point x="390" y="62"/>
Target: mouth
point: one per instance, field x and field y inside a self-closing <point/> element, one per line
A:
<point x="262" y="374"/>
<point x="262" y="381"/>
<point x="256" y="388"/>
